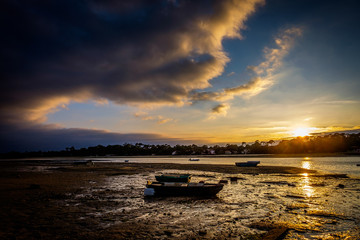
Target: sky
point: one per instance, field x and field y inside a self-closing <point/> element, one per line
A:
<point x="84" y="73"/>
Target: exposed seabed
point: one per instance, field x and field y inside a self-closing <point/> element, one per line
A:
<point x="43" y="200"/>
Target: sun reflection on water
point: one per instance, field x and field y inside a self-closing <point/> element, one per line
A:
<point x="306" y="187"/>
<point x="306" y="164"/>
<point x="308" y="190"/>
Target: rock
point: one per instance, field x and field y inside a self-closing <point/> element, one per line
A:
<point x="202" y="232"/>
<point x="341" y="186"/>
<point x="233" y="179"/>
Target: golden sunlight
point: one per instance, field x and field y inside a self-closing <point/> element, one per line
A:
<point x="306" y="186"/>
<point x="301" y="132"/>
<point x="306" y="165"/>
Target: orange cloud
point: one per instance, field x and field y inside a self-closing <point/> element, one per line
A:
<point x="264" y="71"/>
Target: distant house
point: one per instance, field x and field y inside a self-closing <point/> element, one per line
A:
<point x="245" y="151"/>
<point x="211" y="151"/>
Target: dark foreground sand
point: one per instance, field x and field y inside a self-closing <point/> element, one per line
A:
<point x="39" y="200"/>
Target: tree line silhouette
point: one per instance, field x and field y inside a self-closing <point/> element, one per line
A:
<point x="332" y="143"/>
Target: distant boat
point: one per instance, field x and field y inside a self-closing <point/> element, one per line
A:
<point x="182" y="189"/>
<point x="194" y="159"/>
<point x="126" y="161"/>
<point x="184" y="178"/>
<point x="247" y="164"/>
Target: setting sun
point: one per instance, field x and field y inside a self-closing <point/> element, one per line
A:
<point x="301" y="132"/>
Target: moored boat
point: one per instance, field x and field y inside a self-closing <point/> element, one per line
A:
<point x="194" y="159"/>
<point x="174" y="178"/>
<point x="247" y="164"/>
<point x="182" y="189"/>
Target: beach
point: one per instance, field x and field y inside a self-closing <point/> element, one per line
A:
<point x="96" y="200"/>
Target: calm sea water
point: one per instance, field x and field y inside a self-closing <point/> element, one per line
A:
<point x="341" y="165"/>
<point x="346" y="165"/>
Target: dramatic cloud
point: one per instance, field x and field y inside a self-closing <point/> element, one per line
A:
<point x="263" y="72"/>
<point x="55" y="52"/>
<point x="126" y="52"/>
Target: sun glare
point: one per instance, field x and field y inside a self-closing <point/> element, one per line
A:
<point x="301" y="132"/>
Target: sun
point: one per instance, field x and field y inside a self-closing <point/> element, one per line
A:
<point x="301" y="132"/>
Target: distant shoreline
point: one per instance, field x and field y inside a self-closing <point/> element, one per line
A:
<point x="293" y="155"/>
<point x="237" y="155"/>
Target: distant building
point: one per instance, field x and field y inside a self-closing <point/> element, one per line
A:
<point x="211" y="151"/>
<point x="227" y="152"/>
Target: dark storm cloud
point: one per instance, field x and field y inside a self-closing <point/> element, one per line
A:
<point x="55" y="52"/>
<point x="137" y="51"/>
<point x="42" y="138"/>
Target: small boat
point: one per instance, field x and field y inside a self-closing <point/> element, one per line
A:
<point x="194" y="159"/>
<point x="182" y="189"/>
<point x="184" y="178"/>
<point x="126" y="161"/>
<point x="247" y="164"/>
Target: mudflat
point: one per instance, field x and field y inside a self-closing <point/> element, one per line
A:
<point x="60" y="200"/>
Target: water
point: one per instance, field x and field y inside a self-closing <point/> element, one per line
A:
<point x="344" y="165"/>
<point x="340" y="165"/>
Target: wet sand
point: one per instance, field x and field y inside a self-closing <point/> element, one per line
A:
<point x="59" y="200"/>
